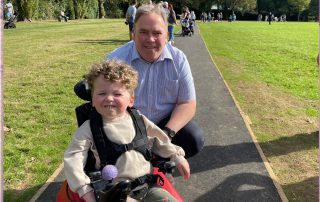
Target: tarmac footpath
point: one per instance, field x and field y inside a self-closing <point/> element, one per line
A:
<point x="231" y="166"/>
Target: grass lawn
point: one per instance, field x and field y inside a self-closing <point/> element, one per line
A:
<point x="271" y="70"/>
<point x="42" y="62"/>
<point x="273" y="74"/>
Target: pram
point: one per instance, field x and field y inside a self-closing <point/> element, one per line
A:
<point x="10" y="23"/>
<point x="187" y="27"/>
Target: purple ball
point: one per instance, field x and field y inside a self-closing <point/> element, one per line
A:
<point x="109" y="172"/>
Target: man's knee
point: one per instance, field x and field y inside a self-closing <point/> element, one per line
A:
<point x="190" y="138"/>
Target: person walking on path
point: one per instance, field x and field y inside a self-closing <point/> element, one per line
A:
<point x="130" y="15"/>
<point x="166" y="92"/>
<point x="172" y="21"/>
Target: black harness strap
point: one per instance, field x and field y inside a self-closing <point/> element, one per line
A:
<point x="98" y="134"/>
<point x="109" y="151"/>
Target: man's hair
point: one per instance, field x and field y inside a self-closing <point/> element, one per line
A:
<point x="113" y="71"/>
<point x="151" y="8"/>
<point x="132" y="2"/>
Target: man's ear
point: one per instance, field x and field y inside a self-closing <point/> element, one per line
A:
<point x="131" y="101"/>
<point x="133" y="34"/>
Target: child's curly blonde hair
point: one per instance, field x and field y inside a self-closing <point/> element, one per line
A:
<point x="113" y="71"/>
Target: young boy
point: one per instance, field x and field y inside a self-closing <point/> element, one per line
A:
<point x="112" y="85"/>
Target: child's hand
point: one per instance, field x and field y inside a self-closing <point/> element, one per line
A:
<point x="89" y="197"/>
<point x="184" y="169"/>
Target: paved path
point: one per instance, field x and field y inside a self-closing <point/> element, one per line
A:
<point x="229" y="168"/>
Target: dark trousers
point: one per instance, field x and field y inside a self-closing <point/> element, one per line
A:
<point x="190" y="137"/>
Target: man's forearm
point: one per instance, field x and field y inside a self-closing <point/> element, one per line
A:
<point x="181" y="115"/>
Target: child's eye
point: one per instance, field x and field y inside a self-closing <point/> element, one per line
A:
<point x="101" y="93"/>
<point x="118" y="94"/>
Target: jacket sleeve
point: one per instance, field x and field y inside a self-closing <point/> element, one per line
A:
<point x="161" y="144"/>
<point x="75" y="158"/>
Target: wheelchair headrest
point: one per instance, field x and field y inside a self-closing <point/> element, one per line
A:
<point x="82" y="90"/>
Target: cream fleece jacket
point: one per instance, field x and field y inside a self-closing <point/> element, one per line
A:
<point x="130" y="164"/>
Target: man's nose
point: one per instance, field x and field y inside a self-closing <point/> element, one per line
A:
<point x="151" y="37"/>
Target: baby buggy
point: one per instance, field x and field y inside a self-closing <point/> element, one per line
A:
<point x="10" y="23"/>
<point x="187" y="27"/>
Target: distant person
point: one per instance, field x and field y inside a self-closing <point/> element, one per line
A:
<point x="112" y="85"/>
<point x="172" y="21"/>
<point x="9" y="11"/>
<point x="209" y="17"/>
<point x="234" y="17"/>
<point x="166" y="7"/>
<point x="63" y="16"/>
<point x="185" y="13"/>
<point x="202" y="17"/>
<point x="193" y="17"/>
<point x="270" y="18"/>
<point x="130" y="16"/>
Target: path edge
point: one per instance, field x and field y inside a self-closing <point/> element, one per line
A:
<point x="247" y="121"/>
<point x="48" y="182"/>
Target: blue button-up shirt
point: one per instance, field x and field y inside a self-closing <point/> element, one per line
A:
<point x="162" y="83"/>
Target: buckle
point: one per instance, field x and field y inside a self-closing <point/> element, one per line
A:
<point x="141" y="180"/>
<point x="128" y="146"/>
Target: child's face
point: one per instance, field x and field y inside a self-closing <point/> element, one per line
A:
<point x="110" y="99"/>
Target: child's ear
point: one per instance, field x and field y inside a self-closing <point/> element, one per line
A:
<point x="131" y="101"/>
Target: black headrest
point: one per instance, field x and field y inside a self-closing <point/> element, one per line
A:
<point x="82" y="90"/>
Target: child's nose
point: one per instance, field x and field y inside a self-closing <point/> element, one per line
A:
<point x="109" y="97"/>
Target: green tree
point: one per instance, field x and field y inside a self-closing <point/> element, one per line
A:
<point x="26" y="9"/>
<point x="313" y="9"/>
<point x="102" y="12"/>
<point x="299" y="6"/>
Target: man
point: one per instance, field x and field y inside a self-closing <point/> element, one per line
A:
<point x="130" y="15"/>
<point x="166" y="93"/>
<point x="9" y="10"/>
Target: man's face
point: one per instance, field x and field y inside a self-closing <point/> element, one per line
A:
<point x="150" y="36"/>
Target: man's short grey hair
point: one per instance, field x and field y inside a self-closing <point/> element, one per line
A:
<point x="151" y="8"/>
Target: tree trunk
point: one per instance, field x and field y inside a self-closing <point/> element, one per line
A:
<point x="102" y="12"/>
<point x="76" y="10"/>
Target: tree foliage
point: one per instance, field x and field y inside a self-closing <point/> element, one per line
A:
<point x="299" y="6"/>
<point x="77" y="9"/>
<point x="27" y="8"/>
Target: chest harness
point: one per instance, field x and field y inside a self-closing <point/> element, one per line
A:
<point x="110" y="151"/>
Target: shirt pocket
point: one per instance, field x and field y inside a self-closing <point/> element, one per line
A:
<point x="169" y="91"/>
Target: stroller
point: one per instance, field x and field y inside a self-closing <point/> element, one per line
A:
<point x="187" y="27"/>
<point x="10" y="23"/>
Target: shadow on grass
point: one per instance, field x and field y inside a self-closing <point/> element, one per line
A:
<point x="243" y="187"/>
<point x="297" y="191"/>
<point x="20" y="195"/>
<point x="115" y="42"/>
<point x="215" y="156"/>
<point x="286" y="145"/>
